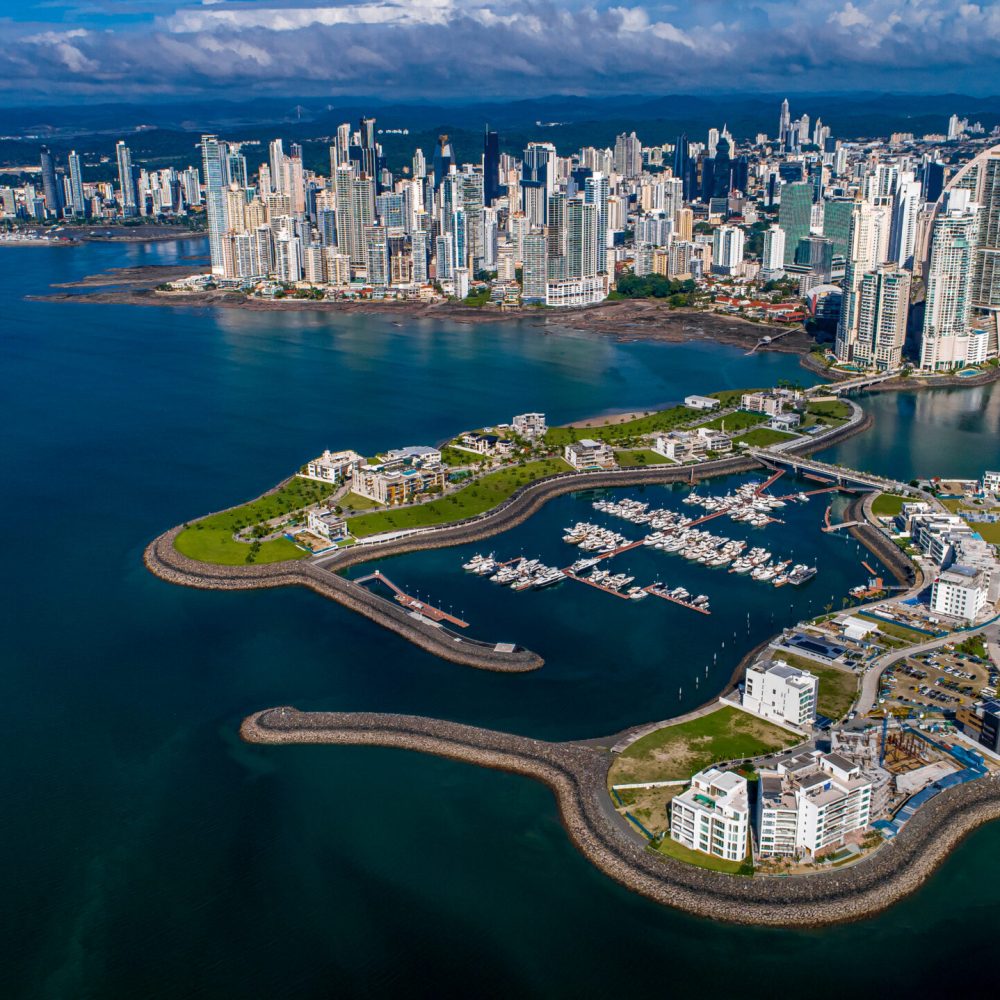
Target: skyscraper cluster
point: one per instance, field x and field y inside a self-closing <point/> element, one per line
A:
<point x="898" y="238"/>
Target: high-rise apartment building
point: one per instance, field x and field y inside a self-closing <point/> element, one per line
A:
<point x="883" y="301"/>
<point x="213" y="155"/>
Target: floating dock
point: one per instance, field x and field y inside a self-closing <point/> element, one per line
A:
<point x="658" y="592"/>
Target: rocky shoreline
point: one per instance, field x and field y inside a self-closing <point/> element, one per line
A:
<point x="577" y="775"/>
<point x="323" y="575"/>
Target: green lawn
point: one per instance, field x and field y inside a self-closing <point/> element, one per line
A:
<point x="211" y="538"/>
<point x="899" y="631"/>
<point x="475" y="498"/>
<point x="672" y="849"/>
<point x="741" y="420"/>
<point x="455" y="456"/>
<point x="356" y="502"/>
<point x="762" y="437"/>
<point x="657" y="420"/>
<point x="832" y="410"/>
<point x="837" y="688"/>
<point x="887" y="505"/>
<point x="681" y="750"/>
<point x="640" y="456"/>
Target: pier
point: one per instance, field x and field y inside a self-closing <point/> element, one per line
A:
<point x="595" y="585"/>
<point x="659" y="592"/>
<point x="412" y="603"/>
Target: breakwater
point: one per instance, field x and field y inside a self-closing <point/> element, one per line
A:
<point x="874" y="539"/>
<point x="321" y="574"/>
<point x="163" y="559"/>
<point x="577" y="775"/>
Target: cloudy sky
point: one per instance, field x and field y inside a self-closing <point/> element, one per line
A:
<point x="470" y="49"/>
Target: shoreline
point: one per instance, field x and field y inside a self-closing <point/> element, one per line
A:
<point x="576" y="773"/>
<point x="625" y="319"/>
<point x="323" y="573"/>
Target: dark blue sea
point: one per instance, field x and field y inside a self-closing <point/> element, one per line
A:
<point x="147" y="853"/>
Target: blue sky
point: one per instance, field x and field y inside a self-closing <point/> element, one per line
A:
<point x="472" y="49"/>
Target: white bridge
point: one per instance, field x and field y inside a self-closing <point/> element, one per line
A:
<point x="834" y="474"/>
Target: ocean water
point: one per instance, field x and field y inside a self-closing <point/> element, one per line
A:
<point x="148" y="853"/>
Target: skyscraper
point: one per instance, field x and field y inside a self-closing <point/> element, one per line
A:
<point x="773" y="258"/>
<point x="582" y="258"/>
<point x="867" y="249"/>
<point x="213" y="156"/>
<point x="491" y="166"/>
<point x="597" y="190"/>
<point x="784" y="121"/>
<point x="126" y="180"/>
<point x="444" y="157"/>
<point x="628" y="155"/>
<point x="905" y="208"/>
<point x="794" y="216"/>
<point x="883" y="306"/>
<point x="50" y="185"/>
<point x="78" y="205"/>
<point x="945" y="337"/>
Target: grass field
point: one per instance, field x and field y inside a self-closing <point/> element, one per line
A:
<point x="887" y="505"/>
<point x="837" y="688"/>
<point x="831" y="410"/>
<point x="679" y="751"/>
<point x="899" y="631"/>
<point x="739" y="421"/>
<point x="657" y="420"/>
<point x="988" y="532"/>
<point x="474" y="499"/>
<point x="211" y="538"/>
<point x="640" y="456"/>
<point x="672" y="849"/>
<point x="762" y="437"/>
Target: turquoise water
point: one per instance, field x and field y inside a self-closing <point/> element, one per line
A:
<point x="147" y="853"/>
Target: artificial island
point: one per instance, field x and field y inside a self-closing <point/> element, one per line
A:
<point x="848" y="754"/>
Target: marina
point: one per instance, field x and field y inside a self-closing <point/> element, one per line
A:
<point x="674" y="533"/>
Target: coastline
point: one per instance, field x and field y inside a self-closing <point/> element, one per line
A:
<point x="576" y="773"/>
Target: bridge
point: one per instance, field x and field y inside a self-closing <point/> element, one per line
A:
<point x="851" y="384"/>
<point x="834" y="474"/>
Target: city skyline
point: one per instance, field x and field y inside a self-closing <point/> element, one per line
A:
<point x="448" y="50"/>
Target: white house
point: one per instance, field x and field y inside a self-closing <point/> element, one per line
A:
<point x="809" y="802"/>
<point x="991" y="482"/>
<point x="715" y="440"/>
<point x="680" y="446"/>
<point x="332" y="466"/>
<point x="530" y="425"/>
<point x="713" y="815"/>
<point x="588" y="454"/>
<point x="781" y="693"/>
<point x="702" y="402"/>
<point x="961" y="592"/>
<point x="327" y="524"/>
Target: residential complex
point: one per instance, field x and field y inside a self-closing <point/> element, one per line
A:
<point x="781" y="693"/>
<point x="809" y="802"/>
<point x="713" y="815"/>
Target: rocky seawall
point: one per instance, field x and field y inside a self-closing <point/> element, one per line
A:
<point x="322" y="575"/>
<point x="163" y="560"/>
<point x="577" y="775"/>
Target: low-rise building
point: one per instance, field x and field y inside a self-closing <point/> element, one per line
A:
<point x="770" y="402"/>
<point x="680" y="446"/>
<point x="781" y="693"/>
<point x="391" y="485"/>
<point x="696" y="402"/>
<point x="713" y="815"/>
<point x="809" y="802"/>
<point x="991" y="482"/>
<point x="414" y="454"/>
<point x="332" y="466"/>
<point x="327" y="524"/>
<point x="715" y="440"/>
<point x="982" y="723"/>
<point x="488" y="444"/>
<point x="961" y="592"/>
<point x="787" y="422"/>
<point x="529" y="425"/>
<point x="588" y="454"/>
